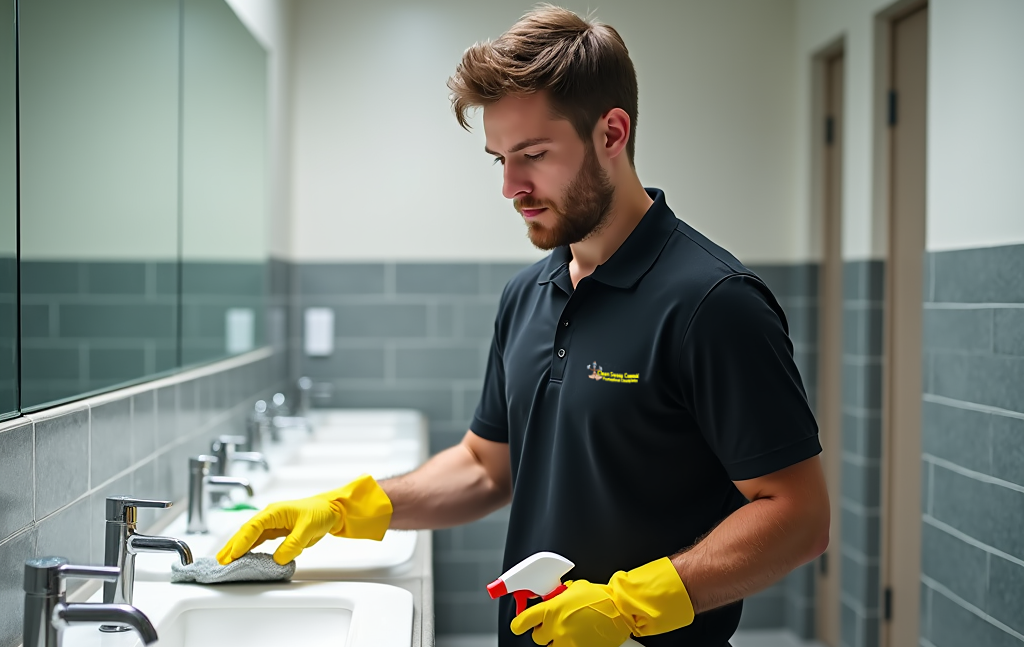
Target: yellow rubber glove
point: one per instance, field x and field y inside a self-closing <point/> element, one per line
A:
<point x="645" y="601"/>
<point x="359" y="510"/>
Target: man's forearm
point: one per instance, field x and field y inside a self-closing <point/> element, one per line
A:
<point x="451" y="488"/>
<point x="750" y="550"/>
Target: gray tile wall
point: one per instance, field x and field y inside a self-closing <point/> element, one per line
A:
<point x="8" y="335"/>
<point x="417" y="335"/>
<point x="972" y="569"/>
<point x="859" y="567"/>
<point x="57" y="466"/>
<point x="91" y="325"/>
<point x="790" y="604"/>
<point x="208" y="291"/>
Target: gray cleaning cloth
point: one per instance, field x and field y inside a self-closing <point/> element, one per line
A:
<point x="250" y="567"/>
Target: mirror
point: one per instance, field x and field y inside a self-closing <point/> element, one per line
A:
<point x="8" y="212"/>
<point x="224" y="196"/>
<point x="99" y="91"/>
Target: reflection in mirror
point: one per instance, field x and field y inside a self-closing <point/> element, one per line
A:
<point x="8" y="213"/>
<point x="99" y="194"/>
<point x="224" y="205"/>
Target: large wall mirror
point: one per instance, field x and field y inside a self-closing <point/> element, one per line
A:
<point x="142" y="192"/>
<point x="8" y="211"/>
<point x="224" y="203"/>
<point x="99" y="194"/>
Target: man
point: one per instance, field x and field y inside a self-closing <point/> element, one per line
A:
<point x="685" y="478"/>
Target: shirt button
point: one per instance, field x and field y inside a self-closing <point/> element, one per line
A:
<point x="561" y="353"/>
<point x="565" y="323"/>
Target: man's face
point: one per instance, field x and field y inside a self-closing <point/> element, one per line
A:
<point x="552" y="177"/>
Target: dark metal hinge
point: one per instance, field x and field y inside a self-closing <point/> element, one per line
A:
<point x="887" y="604"/>
<point x="830" y="131"/>
<point x="823" y="564"/>
<point x="892" y="107"/>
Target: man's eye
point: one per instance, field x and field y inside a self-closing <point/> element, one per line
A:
<point x="537" y="157"/>
<point x="499" y="160"/>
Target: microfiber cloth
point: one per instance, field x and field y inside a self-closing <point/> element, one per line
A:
<point x="250" y="567"/>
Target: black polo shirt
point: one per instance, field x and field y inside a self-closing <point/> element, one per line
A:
<point x="633" y="402"/>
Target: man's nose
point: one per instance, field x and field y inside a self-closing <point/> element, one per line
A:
<point x="515" y="184"/>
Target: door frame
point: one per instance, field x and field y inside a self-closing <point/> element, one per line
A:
<point x="827" y="234"/>
<point x="900" y="534"/>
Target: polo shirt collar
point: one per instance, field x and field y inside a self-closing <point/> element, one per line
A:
<point x="634" y="257"/>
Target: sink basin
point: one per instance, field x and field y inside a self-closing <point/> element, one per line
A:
<point x="368" y="424"/>
<point x="404" y="449"/>
<point x="313" y="614"/>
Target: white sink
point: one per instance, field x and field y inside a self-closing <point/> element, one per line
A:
<point x="313" y="614"/>
<point x="316" y="452"/>
<point x="368" y="424"/>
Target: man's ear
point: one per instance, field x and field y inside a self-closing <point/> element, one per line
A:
<point x="612" y="134"/>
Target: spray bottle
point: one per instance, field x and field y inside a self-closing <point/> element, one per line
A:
<point x="539" y="575"/>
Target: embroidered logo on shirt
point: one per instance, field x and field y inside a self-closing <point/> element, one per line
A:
<point x="598" y="373"/>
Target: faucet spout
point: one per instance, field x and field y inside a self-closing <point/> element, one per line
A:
<point x="68" y="614"/>
<point x="256" y="458"/>
<point x="148" y="544"/>
<point x="224" y="483"/>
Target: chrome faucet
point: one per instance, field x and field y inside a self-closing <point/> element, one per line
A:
<point x="47" y="613"/>
<point x="256" y="425"/>
<point x="122" y="543"/>
<point x="224" y="449"/>
<point x="305" y="386"/>
<point x="281" y="418"/>
<point x="200" y="484"/>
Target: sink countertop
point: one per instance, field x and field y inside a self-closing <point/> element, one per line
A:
<point x="415" y="577"/>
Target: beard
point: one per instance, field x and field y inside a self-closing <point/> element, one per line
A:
<point x="584" y="211"/>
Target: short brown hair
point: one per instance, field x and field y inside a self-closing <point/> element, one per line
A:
<point x="582" y="64"/>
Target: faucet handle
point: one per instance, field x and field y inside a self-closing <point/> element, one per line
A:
<point x="123" y="508"/>
<point x="231" y="441"/>
<point x="202" y="462"/>
<point x="45" y="575"/>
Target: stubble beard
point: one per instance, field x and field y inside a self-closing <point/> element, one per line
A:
<point x="584" y="208"/>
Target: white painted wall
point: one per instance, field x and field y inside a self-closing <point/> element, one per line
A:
<point x="381" y="169"/>
<point x="976" y="124"/>
<point x="269" y="21"/>
<point x="819" y="25"/>
<point x="975" y="132"/>
<point x="224" y="128"/>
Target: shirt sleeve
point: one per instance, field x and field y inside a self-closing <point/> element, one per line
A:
<point x="741" y="383"/>
<point x="490" y="421"/>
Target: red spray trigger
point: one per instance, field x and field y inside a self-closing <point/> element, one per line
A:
<point x="539" y="575"/>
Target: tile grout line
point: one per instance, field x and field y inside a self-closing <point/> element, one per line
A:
<point x="961" y="305"/>
<point x="956" y="599"/>
<point x="967" y="539"/>
<point x="972" y="406"/>
<point x="977" y="476"/>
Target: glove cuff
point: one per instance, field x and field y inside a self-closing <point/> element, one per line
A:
<point x="652" y="598"/>
<point x="364" y="509"/>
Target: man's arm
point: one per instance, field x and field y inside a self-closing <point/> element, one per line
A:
<point x="458" y="485"/>
<point x="786" y="524"/>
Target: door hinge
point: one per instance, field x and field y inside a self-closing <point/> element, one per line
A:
<point x="823" y="564"/>
<point x="830" y="128"/>
<point x="887" y="603"/>
<point x="892" y="107"/>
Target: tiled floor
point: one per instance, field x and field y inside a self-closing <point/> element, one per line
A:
<point x="772" y="638"/>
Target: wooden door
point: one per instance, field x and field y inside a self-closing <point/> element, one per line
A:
<point x="901" y="453"/>
<point x="830" y="341"/>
